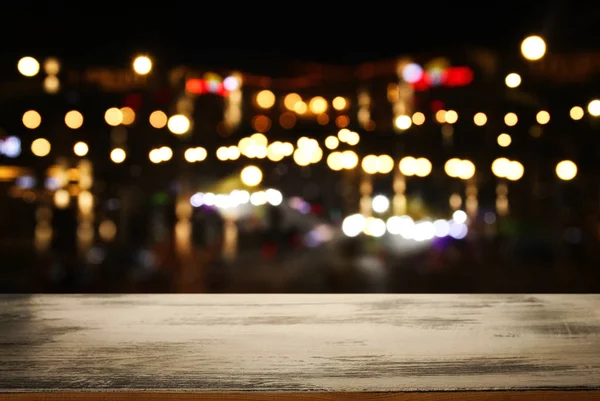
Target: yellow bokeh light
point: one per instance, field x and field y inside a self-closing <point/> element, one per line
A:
<point x="353" y="138"/>
<point x="511" y="170"/>
<point x="451" y="167"/>
<point x="158" y="119"/>
<point x="339" y="103"/>
<point x="480" y="119"/>
<point x="349" y="159"/>
<point x="113" y="116"/>
<point x="331" y="142"/>
<point x="504" y="140"/>
<point x="28" y="66"/>
<point x="511" y="119"/>
<point x="451" y="117"/>
<point x="408" y="166"/>
<point x="370" y="164"/>
<point x="500" y="166"/>
<point x="343" y="134"/>
<point x="533" y="48"/>
<point x="423" y="167"/>
<point x="515" y="171"/>
<point x="576" y="113"/>
<point x="513" y="80"/>
<point x="274" y="152"/>
<point x="251" y="176"/>
<point x="440" y="116"/>
<point x="265" y="99"/>
<point x="403" y="122"/>
<point x="193" y="155"/>
<point x="32" y="119"/>
<point x="373" y="164"/>
<point x="334" y="161"/>
<point x="51" y="84"/>
<point x="62" y="198"/>
<point x="465" y="170"/>
<point x="543" y="117"/>
<point x="51" y="66"/>
<point x="142" y="65"/>
<point x="301" y="157"/>
<point x="418" y="118"/>
<point x="118" y="155"/>
<point x="233" y="153"/>
<point x="178" y="124"/>
<point x="259" y="139"/>
<point x="290" y="101"/>
<point x="385" y="164"/>
<point x="566" y="170"/>
<point x="128" y="115"/>
<point x="40" y="147"/>
<point x="74" y="119"/>
<point x="300" y="107"/>
<point x="594" y="108"/>
<point x="318" y="105"/>
<point x="80" y="149"/>
<point x="457" y="168"/>
<point x="222" y="153"/>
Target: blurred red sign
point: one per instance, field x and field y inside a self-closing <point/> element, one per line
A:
<point x="450" y="77"/>
<point x="199" y="86"/>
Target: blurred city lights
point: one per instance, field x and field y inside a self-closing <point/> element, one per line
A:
<point x="576" y="113"/>
<point x="504" y="140"/>
<point x="32" y="119"/>
<point x="28" y="66"/>
<point x="74" y="119"/>
<point x="380" y="204"/>
<point x="513" y="80"/>
<point x="511" y="119"/>
<point x="113" y="116"/>
<point x="80" y="149"/>
<point x="566" y="170"/>
<point x="142" y="65"/>
<point x="339" y="103"/>
<point x="594" y="108"/>
<point x="418" y="118"/>
<point x="265" y="99"/>
<point x="158" y="119"/>
<point x="403" y="122"/>
<point x="10" y="147"/>
<point x="51" y="84"/>
<point x="51" y="66"/>
<point x="543" y="117"/>
<point x="118" y="155"/>
<point x="317" y="105"/>
<point x="480" y="119"/>
<point x="412" y="73"/>
<point x="40" y="147"/>
<point x="251" y="176"/>
<point x="533" y="48"/>
<point x="178" y="124"/>
<point x="509" y="169"/>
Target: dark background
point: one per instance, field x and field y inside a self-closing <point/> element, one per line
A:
<point x="261" y="35"/>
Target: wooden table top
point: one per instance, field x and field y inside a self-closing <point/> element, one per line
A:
<point x="303" y="344"/>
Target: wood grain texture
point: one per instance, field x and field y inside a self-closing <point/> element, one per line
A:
<point x="298" y="343"/>
<point x="412" y="396"/>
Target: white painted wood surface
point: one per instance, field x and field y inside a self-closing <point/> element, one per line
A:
<point x="299" y="342"/>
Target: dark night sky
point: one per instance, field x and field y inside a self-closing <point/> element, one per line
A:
<point x="195" y="33"/>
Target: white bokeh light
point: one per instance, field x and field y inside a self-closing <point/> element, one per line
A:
<point x="380" y="204"/>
